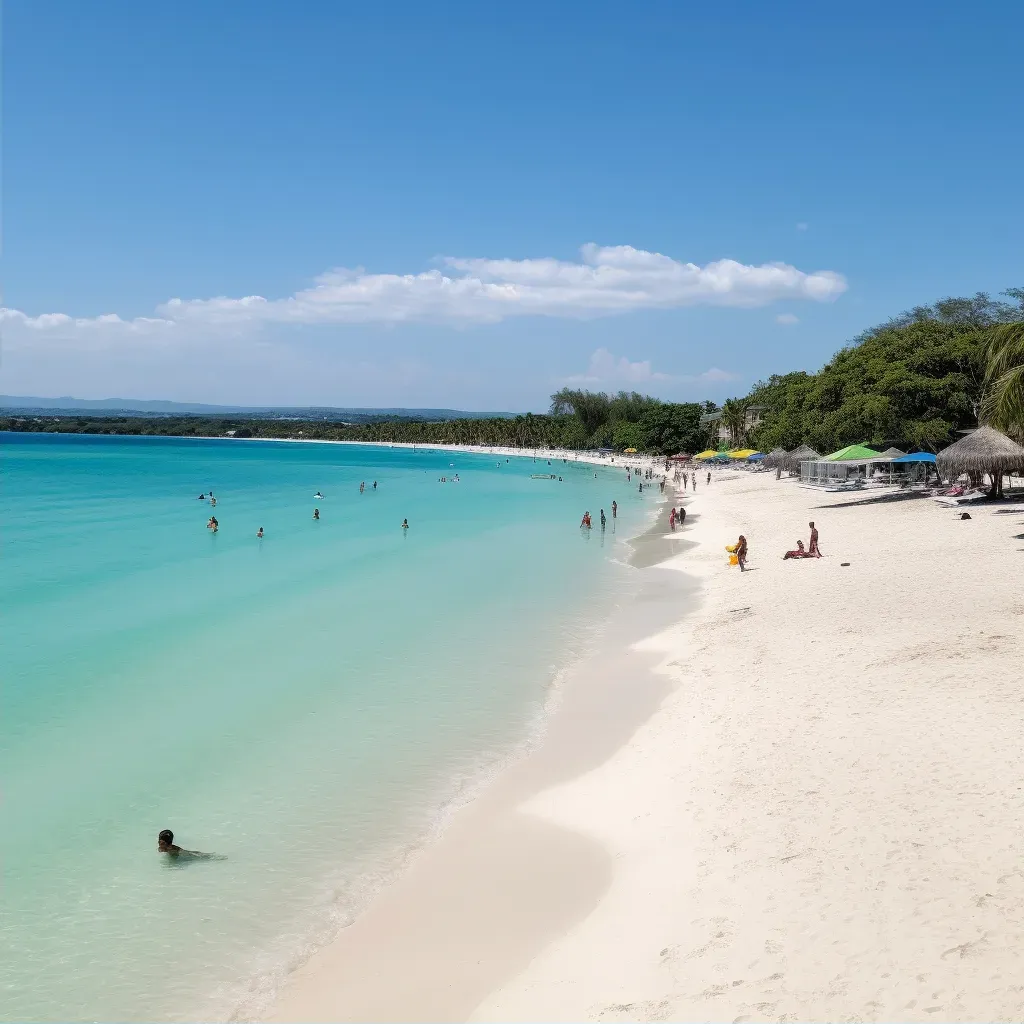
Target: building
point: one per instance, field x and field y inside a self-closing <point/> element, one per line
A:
<point x="718" y="431"/>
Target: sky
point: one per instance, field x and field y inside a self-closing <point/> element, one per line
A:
<point x="470" y="206"/>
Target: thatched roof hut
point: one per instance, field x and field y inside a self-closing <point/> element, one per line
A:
<point x="792" y="461"/>
<point x="982" y="451"/>
<point x="774" y="458"/>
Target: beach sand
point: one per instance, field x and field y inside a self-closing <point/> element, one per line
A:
<point x="795" y="798"/>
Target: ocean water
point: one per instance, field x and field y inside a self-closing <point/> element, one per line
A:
<point x="309" y="706"/>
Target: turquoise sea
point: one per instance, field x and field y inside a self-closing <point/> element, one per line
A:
<point x="310" y="705"/>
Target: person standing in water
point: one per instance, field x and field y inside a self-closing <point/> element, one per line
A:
<point x="375" y="485"/>
<point x="316" y="513"/>
<point x="405" y="524"/>
<point x="603" y="520"/>
<point x="259" y="533"/>
<point x="615" y="510"/>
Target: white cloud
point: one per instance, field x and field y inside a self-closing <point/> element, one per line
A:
<point x="607" y="370"/>
<point x="787" y="318"/>
<point x="605" y="281"/>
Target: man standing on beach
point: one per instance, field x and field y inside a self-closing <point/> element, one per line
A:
<point x="812" y="548"/>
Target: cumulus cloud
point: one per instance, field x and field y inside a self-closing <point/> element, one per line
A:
<point x="606" y="280"/>
<point x="787" y="318"/>
<point x="607" y="370"/>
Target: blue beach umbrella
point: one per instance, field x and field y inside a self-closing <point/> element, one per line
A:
<point x="916" y="457"/>
<point x="756" y="457"/>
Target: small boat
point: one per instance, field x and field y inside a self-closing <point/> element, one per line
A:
<point x="543" y="476"/>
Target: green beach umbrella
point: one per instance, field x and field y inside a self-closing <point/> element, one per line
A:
<point x="852" y="453"/>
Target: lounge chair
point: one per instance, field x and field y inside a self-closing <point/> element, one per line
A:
<point x="952" y="500"/>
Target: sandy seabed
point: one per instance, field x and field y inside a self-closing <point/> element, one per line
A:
<point x="788" y="794"/>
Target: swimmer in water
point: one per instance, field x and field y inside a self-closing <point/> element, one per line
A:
<point x="259" y="533"/>
<point x="318" y="495"/>
<point x="213" y="524"/>
<point x="615" y="509"/>
<point x="165" y="844"/>
<point x="405" y="524"/>
<point x="375" y="485"/>
<point x="202" y="497"/>
<point x="213" y="501"/>
<point x="316" y="513"/>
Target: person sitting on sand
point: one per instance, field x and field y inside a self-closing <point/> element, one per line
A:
<point x="741" y="553"/>
<point x="800" y="552"/>
<point x="165" y="844"/>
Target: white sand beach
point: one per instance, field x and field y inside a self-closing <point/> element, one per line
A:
<point x="797" y="798"/>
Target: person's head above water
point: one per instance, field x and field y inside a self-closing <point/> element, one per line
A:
<point x="165" y="841"/>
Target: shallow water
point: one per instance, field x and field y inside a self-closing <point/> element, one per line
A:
<point x="307" y="705"/>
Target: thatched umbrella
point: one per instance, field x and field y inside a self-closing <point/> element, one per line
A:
<point x="774" y="458"/>
<point x="982" y="451"/>
<point x="792" y="461"/>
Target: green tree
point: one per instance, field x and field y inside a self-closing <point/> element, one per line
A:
<point x="1003" y="402"/>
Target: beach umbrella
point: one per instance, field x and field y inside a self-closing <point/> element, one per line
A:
<point x="775" y="457"/>
<point x="891" y="453"/>
<point x="982" y="451"/>
<point x="756" y="457"/>
<point x="709" y="454"/>
<point x="804" y="453"/>
<point x="742" y="453"/>
<point x="630" y="451"/>
<point x="852" y="453"/>
<point x="916" y="457"/>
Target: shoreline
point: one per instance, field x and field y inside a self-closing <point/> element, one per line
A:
<point x="489" y="858"/>
<point x="797" y="797"/>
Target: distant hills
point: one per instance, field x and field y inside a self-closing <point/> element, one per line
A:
<point x="155" y="407"/>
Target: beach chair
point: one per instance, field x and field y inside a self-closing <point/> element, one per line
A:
<point x="953" y="500"/>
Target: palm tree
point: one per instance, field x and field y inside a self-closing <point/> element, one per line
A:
<point x="734" y="417"/>
<point x="1002" y="404"/>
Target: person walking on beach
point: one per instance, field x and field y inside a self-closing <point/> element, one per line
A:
<point x="812" y="548"/>
<point x="693" y="482"/>
<point x="672" y="519"/>
<point x="709" y="477"/>
<point x="741" y="553"/>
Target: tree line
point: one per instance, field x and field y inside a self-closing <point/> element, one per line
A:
<point x="912" y="382"/>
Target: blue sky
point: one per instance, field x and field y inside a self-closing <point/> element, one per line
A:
<point x="407" y="189"/>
